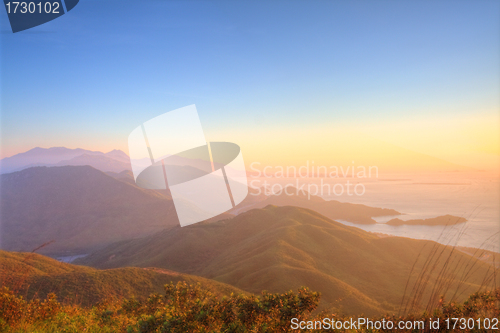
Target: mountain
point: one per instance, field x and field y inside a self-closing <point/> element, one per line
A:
<point x="40" y="156"/>
<point x="78" y="207"/>
<point x="115" y="160"/>
<point x="291" y="196"/>
<point x="125" y="176"/>
<point x="118" y="155"/>
<point x="283" y="248"/>
<point x="99" y="162"/>
<point x="32" y="274"/>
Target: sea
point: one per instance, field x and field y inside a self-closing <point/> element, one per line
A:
<point x="472" y="195"/>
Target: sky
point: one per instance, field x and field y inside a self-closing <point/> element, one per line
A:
<point x="289" y="81"/>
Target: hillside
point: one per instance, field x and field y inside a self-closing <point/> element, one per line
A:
<point x="332" y="209"/>
<point x="125" y="176"/>
<point x="283" y="248"/>
<point x="34" y="275"/>
<point x="191" y="308"/>
<point x="78" y="207"/>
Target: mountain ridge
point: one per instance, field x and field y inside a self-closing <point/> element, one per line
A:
<point x="77" y="206"/>
<point x="60" y="156"/>
<point x="282" y="248"/>
<point x="356" y="213"/>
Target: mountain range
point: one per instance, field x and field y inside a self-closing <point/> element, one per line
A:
<point x="291" y="196"/>
<point x="115" y="160"/>
<point x="78" y="207"/>
<point x="81" y="209"/>
<point x="283" y="248"/>
<point x="64" y="202"/>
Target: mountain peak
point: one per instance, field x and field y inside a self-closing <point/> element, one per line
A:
<point x="116" y="151"/>
<point x="118" y="154"/>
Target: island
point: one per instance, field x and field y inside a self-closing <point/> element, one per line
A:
<point x="440" y="220"/>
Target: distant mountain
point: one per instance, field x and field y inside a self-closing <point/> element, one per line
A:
<point x="40" y="156"/>
<point x="99" y="162"/>
<point x="282" y="248"/>
<point x="77" y="206"/>
<point x="34" y="275"/>
<point x="333" y="209"/>
<point x="115" y="160"/>
<point x="118" y="155"/>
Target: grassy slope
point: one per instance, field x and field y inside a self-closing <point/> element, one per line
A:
<point x="283" y="248"/>
<point x="36" y="275"/>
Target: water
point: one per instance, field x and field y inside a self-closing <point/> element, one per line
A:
<point x="69" y="259"/>
<point x="474" y="196"/>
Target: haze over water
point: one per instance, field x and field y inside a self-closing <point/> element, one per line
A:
<point x="473" y="195"/>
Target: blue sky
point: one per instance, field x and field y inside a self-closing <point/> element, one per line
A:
<point x="89" y="77"/>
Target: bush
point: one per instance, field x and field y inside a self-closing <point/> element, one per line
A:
<point x="190" y="308"/>
<point x="183" y="308"/>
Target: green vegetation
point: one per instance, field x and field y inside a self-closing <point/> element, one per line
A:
<point x="183" y="308"/>
<point x="190" y="308"/>
<point x="212" y="270"/>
